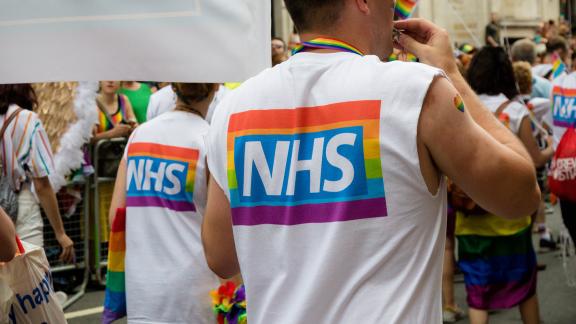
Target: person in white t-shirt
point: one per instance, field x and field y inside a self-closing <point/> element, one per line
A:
<point x="162" y="183"/>
<point x="326" y="186"/>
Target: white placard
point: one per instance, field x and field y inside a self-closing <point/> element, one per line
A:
<point x="154" y="40"/>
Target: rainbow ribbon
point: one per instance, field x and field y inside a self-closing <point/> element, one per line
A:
<point x="115" y="298"/>
<point x="326" y="43"/>
<point x="558" y="68"/>
<point x="405" y="8"/>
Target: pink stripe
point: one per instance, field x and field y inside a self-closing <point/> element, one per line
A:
<point x="501" y="296"/>
<point x="182" y="206"/>
<point x="48" y="150"/>
<point x="307" y="214"/>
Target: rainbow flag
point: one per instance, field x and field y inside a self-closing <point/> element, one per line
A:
<point x="558" y="68"/>
<point x="276" y="193"/>
<point x="405" y="8"/>
<point x="115" y="299"/>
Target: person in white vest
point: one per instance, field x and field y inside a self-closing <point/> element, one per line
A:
<point x="327" y="182"/>
<point x="564" y="116"/>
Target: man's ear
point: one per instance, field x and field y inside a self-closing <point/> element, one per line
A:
<point x="363" y="6"/>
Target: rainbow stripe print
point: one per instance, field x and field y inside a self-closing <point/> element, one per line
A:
<point x="405" y="8"/>
<point x="459" y="103"/>
<point x="115" y="298"/>
<point x="306" y="165"/>
<point x="161" y="176"/>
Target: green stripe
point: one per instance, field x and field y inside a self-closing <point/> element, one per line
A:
<point x="476" y="246"/>
<point x="115" y="281"/>
<point x="232" y="183"/>
<point x="373" y="169"/>
<point x="39" y="154"/>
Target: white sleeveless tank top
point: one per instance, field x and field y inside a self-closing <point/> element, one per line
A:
<point x="564" y="105"/>
<point x="333" y="222"/>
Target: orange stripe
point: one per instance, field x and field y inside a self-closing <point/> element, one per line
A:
<point x="565" y="92"/>
<point x="23" y="134"/>
<point x="13" y="125"/>
<point x="370" y="130"/>
<point x="305" y="117"/>
<point x="117" y="242"/>
<point x="164" y="151"/>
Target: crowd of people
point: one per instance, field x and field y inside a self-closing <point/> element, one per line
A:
<point x="323" y="183"/>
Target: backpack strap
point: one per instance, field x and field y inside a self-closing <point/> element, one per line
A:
<point x="7" y="122"/>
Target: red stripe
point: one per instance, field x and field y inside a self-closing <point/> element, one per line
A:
<point x="305" y="116"/>
<point x="164" y="150"/>
<point x="48" y="150"/>
<point x="564" y="92"/>
<point x="119" y="222"/>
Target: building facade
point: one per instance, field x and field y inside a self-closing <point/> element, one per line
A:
<point x="466" y="19"/>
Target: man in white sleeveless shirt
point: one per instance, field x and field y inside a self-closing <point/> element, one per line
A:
<point x="327" y="187"/>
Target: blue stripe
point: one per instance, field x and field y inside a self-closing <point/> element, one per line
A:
<point x="375" y="190"/>
<point x="497" y="270"/>
<point x="115" y="301"/>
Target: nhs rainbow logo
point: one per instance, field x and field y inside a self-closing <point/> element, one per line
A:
<point x="161" y="176"/>
<point x="564" y="111"/>
<point x="306" y="165"/>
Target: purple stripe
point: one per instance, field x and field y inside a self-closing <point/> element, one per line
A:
<point x="312" y="213"/>
<point x="182" y="206"/>
<point x="109" y="316"/>
<point x="565" y="124"/>
<point x="501" y="296"/>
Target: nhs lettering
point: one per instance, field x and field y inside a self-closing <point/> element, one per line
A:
<point x="306" y="165"/>
<point x="161" y="176"/>
<point x="564" y="107"/>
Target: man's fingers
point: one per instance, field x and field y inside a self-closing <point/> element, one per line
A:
<point x="415" y="26"/>
<point x="411" y="45"/>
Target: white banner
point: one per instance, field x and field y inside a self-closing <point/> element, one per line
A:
<point x="152" y="40"/>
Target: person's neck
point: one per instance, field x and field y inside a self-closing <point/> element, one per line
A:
<point x="201" y="107"/>
<point x="359" y="43"/>
<point x="132" y="85"/>
<point x="108" y="98"/>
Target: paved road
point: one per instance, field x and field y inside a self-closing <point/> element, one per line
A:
<point x="557" y="300"/>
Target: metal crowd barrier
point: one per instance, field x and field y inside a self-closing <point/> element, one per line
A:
<point x="75" y="210"/>
<point x="101" y="187"/>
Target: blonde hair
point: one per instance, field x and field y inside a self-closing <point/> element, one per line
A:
<point x="523" y="74"/>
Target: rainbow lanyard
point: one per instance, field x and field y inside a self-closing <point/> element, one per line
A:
<point x="326" y="43"/>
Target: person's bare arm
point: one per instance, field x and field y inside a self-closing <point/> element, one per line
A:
<point x="49" y="203"/>
<point x="473" y="148"/>
<point x="217" y="235"/>
<point x="119" y="195"/>
<point x="7" y="238"/>
<point x="540" y="157"/>
<point x="488" y="168"/>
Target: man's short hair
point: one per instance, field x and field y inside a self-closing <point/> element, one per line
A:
<point x="524" y="50"/>
<point x="314" y="14"/>
<point x="557" y="43"/>
<point x="523" y="74"/>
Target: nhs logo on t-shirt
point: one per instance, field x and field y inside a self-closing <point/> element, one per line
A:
<point x="161" y="176"/>
<point x="306" y="165"/>
<point x="564" y="112"/>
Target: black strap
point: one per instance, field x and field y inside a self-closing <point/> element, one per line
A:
<point x="7" y="122"/>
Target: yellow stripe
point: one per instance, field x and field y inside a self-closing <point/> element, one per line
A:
<point x="489" y="225"/>
<point x="116" y="261"/>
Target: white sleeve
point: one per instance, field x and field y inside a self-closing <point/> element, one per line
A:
<point x="152" y="110"/>
<point x="216" y="147"/>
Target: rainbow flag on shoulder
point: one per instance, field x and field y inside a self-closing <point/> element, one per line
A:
<point x="115" y="300"/>
<point x="558" y="68"/>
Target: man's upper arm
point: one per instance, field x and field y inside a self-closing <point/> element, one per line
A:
<point x="484" y="168"/>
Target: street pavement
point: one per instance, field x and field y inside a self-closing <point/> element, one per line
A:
<point x="557" y="300"/>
